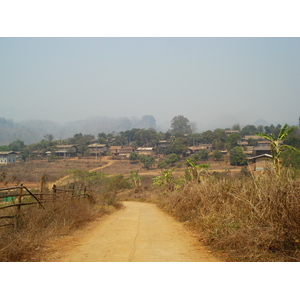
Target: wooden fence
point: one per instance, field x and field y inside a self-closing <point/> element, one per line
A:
<point x="12" y="197"/>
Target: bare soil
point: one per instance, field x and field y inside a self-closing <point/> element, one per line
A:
<point x="138" y="233"/>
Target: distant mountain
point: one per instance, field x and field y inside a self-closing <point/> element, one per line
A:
<point x="261" y="122"/>
<point x="33" y="131"/>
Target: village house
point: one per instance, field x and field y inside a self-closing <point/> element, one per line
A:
<point x="115" y="150"/>
<point x="96" y="149"/>
<point x="261" y="162"/>
<point x="125" y="151"/>
<point x="163" y="144"/>
<point x="253" y="137"/>
<point x="66" y="150"/>
<point x="145" y="151"/>
<point x="249" y="151"/>
<point x="196" y="149"/>
<point x="8" y="157"/>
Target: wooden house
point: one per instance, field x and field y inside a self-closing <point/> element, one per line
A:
<point x="196" y="149"/>
<point x="115" y="150"/>
<point x="66" y="150"/>
<point x="145" y="151"/>
<point x="261" y="162"/>
<point x="97" y="149"/>
<point x="125" y="151"/>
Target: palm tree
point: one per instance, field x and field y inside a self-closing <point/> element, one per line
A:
<point x="277" y="147"/>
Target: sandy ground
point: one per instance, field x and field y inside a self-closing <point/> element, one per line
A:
<point x="138" y="233"/>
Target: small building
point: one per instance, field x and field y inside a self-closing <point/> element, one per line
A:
<point x="253" y="137"/>
<point x="163" y="144"/>
<point x="196" y="149"/>
<point x="241" y="143"/>
<point x="263" y="143"/>
<point x="66" y="150"/>
<point x="125" y="151"/>
<point x="115" y="150"/>
<point x="8" y="157"/>
<point x="262" y="162"/>
<point x="261" y="150"/>
<point x="97" y="149"/>
<point x="145" y="151"/>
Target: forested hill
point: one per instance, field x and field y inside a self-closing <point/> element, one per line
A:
<point x="33" y="131"/>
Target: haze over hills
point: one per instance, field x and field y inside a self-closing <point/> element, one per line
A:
<point x="32" y="131"/>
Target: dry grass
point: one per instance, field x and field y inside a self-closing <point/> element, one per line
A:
<point x="30" y="171"/>
<point x="39" y="225"/>
<point x="249" y="219"/>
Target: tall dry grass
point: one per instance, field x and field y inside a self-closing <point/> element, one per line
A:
<point x="250" y="218"/>
<point x="38" y="225"/>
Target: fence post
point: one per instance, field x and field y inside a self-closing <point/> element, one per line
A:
<point x="54" y="192"/>
<point x="19" y="201"/>
<point x="41" y="186"/>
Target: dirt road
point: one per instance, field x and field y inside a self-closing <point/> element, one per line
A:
<point x="138" y="233"/>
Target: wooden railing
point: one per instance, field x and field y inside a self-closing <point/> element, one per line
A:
<point x="13" y="198"/>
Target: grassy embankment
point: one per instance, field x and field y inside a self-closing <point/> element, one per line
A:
<point x="245" y="217"/>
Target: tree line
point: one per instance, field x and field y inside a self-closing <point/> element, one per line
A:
<point x="179" y="137"/>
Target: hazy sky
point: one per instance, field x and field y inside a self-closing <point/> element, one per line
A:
<point x="215" y="82"/>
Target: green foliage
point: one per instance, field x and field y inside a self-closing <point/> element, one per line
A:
<point x="136" y="179"/>
<point x="232" y="141"/>
<point x="163" y="164"/>
<point x="217" y="155"/>
<point x="148" y="161"/>
<point x="193" y="172"/>
<point x="237" y="157"/>
<point x="4" y="148"/>
<point x="17" y="145"/>
<point x="133" y="156"/>
<point x="248" y="130"/>
<point x="276" y="147"/>
<point x="172" y="159"/>
<point x="291" y="159"/>
<point x="178" y="146"/>
<point x="166" y="179"/>
<point x="146" y="137"/>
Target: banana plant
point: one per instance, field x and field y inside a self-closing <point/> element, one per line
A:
<point x="166" y="179"/>
<point x="194" y="171"/>
<point x="136" y="179"/>
<point x="276" y="147"/>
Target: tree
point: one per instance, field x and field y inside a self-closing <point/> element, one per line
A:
<point x="237" y="157"/>
<point x="181" y="125"/>
<point x="203" y="154"/>
<point x="248" y="130"/>
<point x="172" y="159"/>
<point x="17" y="145"/>
<point x="276" y="146"/>
<point x="133" y="157"/>
<point x="232" y="141"/>
<point x="148" y="161"/>
<point x="217" y="155"/>
<point x="179" y="146"/>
